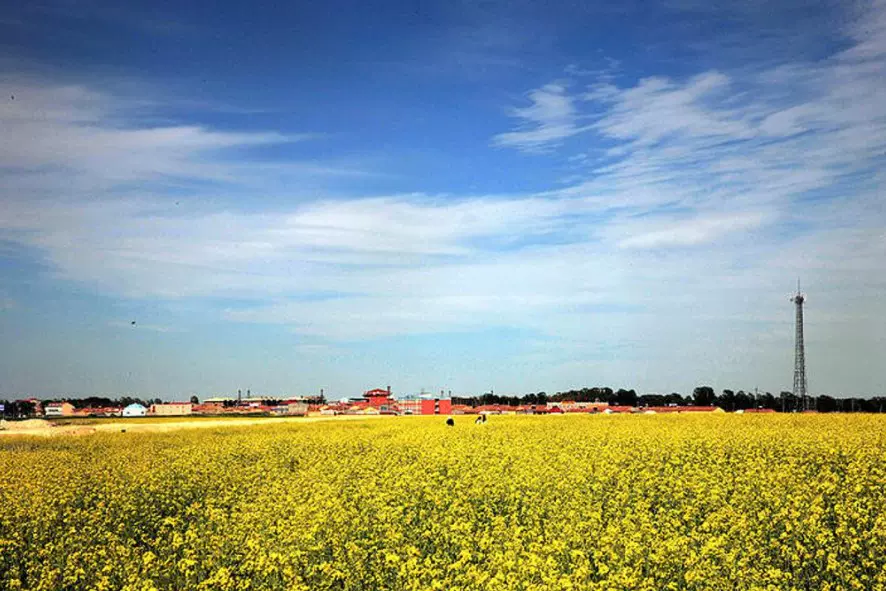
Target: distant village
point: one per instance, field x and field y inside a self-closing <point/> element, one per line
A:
<point x="379" y="401"/>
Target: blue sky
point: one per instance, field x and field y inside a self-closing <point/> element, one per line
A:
<point x="457" y="195"/>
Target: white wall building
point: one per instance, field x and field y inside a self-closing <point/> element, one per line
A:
<point x="135" y="410"/>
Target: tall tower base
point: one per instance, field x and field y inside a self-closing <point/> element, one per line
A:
<point x="800" y="353"/>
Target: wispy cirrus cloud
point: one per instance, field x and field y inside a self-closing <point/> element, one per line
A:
<point x="551" y="118"/>
<point x="723" y="145"/>
<point x="693" y="231"/>
<point x="658" y="109"/>
<point x="61" y="138"/>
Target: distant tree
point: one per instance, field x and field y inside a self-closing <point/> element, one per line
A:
<point x="825" y="403"/>
<point x="743" y="400"/>
<point x="676" y="398"/>
<point x="703" y="396"/>
<point x="651" y="400"/>
<point x="858" y="405"/>
<point x="767" y="400"/>
<point x="727" y="400"/>
<point x="582" y="395"/>
<point x="19" y="409"/>
<point x="626" y="397"/>
<point x="195" y="400"/>
<point x="788" y="401"/>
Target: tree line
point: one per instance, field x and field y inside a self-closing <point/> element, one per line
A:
<point x="729" y="400"/>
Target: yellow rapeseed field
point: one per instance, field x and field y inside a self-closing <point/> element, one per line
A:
<point x="714" y="502"/>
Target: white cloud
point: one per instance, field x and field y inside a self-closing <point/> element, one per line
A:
<point x="693" y="231"/>
<point x="71" y="137"/>
<point x="549" y="119"/>
<point x="657" y="109"/>
<point x="870" y="41"/>
<point x="142" y="248"/>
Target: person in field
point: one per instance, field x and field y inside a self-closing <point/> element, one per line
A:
<point x="450" y="422"/>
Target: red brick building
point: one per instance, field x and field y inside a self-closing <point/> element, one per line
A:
<point x="436" y="406"/>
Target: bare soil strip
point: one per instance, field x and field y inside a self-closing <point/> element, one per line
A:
<point x="46" y="429"/>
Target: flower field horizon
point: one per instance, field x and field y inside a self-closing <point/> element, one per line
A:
<point x="559" y="502"/>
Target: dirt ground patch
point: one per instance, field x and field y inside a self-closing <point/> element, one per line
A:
<point x="26" y="425"/>
<point x="43" y="428"/>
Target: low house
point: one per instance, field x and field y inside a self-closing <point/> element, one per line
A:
<point x="457" y="409"/>
<point x="59" y="409"/>
<point x="682" y="409"/>
<point x="491" y="409"/>
<point x="589" y="405"/>
<point x="171" y="409"/>
<point x="135" y="410"/>
<point x="219" y="402"/>
<point x="297" y="408"/>
<point x="98" y="411"/>
<point x="619" y="409"/>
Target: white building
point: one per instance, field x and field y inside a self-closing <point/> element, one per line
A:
<point x="59" y="409"/>
<point x="135" y="410"/>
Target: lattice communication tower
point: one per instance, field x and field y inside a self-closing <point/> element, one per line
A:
<point x="800" y="353"/>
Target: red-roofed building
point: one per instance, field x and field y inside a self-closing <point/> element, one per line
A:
<point x="458" y="409"/>
<point x="492" y="409"/>
<point x="680" y="409"/>
<point x="620" y="409"/>
<point x="99" y="411"/>
<point x="379" y="397"/>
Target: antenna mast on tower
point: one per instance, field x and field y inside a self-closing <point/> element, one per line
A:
<point x="800" y="352"/>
